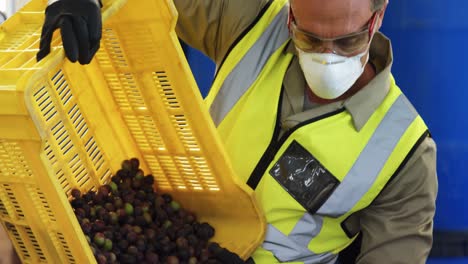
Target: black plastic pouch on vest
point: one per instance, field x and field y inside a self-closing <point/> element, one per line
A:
<point x="303" y="177"/>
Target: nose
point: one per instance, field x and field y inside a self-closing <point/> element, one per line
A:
<point x="327" y="47"/>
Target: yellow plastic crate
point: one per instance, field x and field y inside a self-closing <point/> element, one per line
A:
<point x="65" y="126"/>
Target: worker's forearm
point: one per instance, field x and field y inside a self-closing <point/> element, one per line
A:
<point x="198" y="24"/>
<point x="211" y="26"/>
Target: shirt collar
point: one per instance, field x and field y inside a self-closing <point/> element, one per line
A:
<point x="363" y="104"/>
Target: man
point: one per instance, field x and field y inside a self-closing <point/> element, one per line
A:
<point x="311" y="118"/>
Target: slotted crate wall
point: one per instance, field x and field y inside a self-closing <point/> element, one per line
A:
<point x="33" y="208"/>
<point x="65" y="126"/>
<point x="160" y="105"/>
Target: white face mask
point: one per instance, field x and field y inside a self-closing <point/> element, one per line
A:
<point x="329" y="75"/>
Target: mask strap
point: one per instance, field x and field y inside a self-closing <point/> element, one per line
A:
<point x="290" y="18"/>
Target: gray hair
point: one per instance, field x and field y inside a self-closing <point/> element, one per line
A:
<point x="377" y="4"/>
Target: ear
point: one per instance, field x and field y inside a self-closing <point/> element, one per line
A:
<point x="382" y="14"/>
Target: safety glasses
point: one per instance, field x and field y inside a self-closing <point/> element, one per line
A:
<point x="346" y="45"/>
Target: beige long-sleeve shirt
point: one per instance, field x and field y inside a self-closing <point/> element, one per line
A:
<point x="397" y="226"/>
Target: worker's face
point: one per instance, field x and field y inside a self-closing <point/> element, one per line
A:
<point x="342" y="27"/>
<point x="333" y="18"/>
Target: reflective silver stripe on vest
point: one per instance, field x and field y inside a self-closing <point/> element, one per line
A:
<point x="249" y="67"/>
<point x="285" y="249"/>
<point x="355" y="185"/>
<point x="372" y="159"/>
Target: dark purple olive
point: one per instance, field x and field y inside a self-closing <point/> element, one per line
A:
<point x="75" y="193"/>
<point x="126" y="165"/>
<point x="135" y="163"/>
<point x="172" y="260"/>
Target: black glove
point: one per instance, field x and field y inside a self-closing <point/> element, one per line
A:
<point x="80" y="26"/>
<point x="223" y="255"/>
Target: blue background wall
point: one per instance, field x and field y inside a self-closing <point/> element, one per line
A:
<point x="430" y="43"/>
<point x="202" y="67"/>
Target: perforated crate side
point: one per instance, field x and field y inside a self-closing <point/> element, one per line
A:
<point x="34" y="206"/>
<point x="137" y="98"/>
<point x="24" y="211"/>
<point x="143" y="67"/>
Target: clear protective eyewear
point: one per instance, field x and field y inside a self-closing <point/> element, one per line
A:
<point x="346" y="45"/>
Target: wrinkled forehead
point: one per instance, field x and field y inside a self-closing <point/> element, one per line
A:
<point x="333" y="4"/>
<point x="331" y="9"/>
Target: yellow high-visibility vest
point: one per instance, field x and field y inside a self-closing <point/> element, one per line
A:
<point x="320" y="172"/>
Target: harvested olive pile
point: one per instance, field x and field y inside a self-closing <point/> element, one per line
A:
<point x="127" y="221"/>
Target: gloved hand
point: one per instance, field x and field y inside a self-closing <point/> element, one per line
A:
<point x="223" y="255"/>
<point x="80" y="25"/>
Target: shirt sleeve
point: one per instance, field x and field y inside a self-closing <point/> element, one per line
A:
<point x="397" y="226"/>
<point x="212" y="26"/>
